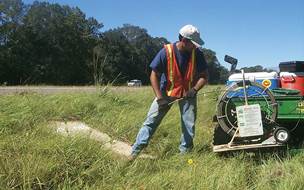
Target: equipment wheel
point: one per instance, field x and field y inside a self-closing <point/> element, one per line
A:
<point x="281" y="135"/>
<point x="220" y="136"/>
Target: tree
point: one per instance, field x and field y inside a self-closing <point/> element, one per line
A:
<point x="218" y="74"/>
<point x="11" y="15"/>
<point x="256" y="68"/>
<point x="146" y="47"/>
<point x="54" y="45"/>
<point x="125" y="53"/>
<point x="47" y="43"/>
<point x="117" y="58"/>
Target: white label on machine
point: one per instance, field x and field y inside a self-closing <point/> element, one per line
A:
<point x="249" y="120"/>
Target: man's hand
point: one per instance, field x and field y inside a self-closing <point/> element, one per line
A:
<point x="163" y="103"/>
<point x="191" y="93"/>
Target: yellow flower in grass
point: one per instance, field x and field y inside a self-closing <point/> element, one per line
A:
<point x="190" y="161"/>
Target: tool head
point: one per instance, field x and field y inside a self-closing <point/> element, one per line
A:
<point x="233" y="61"/>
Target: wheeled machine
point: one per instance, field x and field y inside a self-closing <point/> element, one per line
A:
<point x="251" y="116"/>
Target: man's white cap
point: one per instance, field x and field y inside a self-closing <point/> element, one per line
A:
<point x="191" y="32"/>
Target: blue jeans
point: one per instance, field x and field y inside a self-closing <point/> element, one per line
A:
<point x="187" y="109"/>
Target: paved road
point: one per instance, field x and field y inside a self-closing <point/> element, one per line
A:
<point x="60" y="89"/>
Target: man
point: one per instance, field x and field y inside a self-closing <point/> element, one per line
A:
<point x="179" y="71"/>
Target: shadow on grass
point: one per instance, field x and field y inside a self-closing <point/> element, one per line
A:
<point x="259" y="156"/>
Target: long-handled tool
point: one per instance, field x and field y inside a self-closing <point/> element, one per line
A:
<point x="179" y="99"/>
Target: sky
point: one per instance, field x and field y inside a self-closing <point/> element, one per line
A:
<point x="256" y="32"/>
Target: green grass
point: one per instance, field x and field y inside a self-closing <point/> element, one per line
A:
<point x="32" y="156"/>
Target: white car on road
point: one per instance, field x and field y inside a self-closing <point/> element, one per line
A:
<point x="134" y="82"/>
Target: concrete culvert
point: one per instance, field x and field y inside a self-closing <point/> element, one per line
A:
<point x="72" y="128"/>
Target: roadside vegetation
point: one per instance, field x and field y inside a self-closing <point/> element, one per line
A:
<point x="33" y="156"/>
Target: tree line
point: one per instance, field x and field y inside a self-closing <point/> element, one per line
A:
<point x="44" y="43"/>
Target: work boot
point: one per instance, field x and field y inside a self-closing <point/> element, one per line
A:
<point x="132" y="157"/>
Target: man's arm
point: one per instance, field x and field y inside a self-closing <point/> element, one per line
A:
<point x="154" y="78"/>
<point x="202" y="80"/>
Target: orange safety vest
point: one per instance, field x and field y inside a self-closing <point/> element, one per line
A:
<point x="177" y="85"/>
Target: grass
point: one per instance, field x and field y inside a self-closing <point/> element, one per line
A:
<point x="32" y="156"/>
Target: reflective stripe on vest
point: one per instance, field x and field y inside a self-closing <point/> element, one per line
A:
<point x="177" y="85"/>
<point x="170" y="73"/>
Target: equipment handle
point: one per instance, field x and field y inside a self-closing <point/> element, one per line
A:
<point x="244" y="85"/>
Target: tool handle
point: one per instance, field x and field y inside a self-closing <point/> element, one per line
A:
<point x="175" y="101"/>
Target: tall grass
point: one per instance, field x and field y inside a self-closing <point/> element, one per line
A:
<point x="33" y="156"/>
